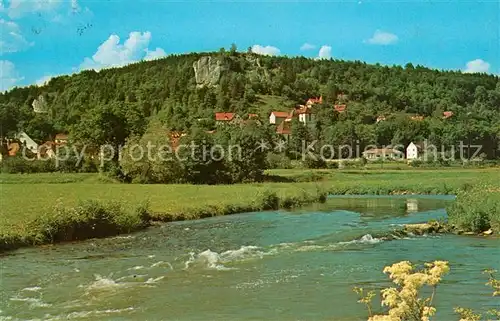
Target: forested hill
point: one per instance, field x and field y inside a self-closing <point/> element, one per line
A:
<point x="114" y="103"/>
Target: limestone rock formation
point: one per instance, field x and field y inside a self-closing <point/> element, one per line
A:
<point x="208" y="71"/>
<point x="40" y="105"/>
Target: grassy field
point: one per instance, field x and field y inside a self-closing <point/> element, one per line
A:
<point x="25" y="198"/>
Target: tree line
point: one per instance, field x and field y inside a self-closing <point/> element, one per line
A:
<point x="113" y="105"/>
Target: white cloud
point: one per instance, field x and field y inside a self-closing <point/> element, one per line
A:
<point x="11" y="39"/>
<point x="45" y="79"/>
<point x="49" y="10"/>
<point x="383" y="38"/>
<point x="307" y="46"/>
<point x="111" y="53"/>
<point x="8" y="75"/>
<point x="477" y="65"/>
<point x="325" y="52"/>
<point x="265" y="50"/>
<point x="20" y="8"/>
<point x="155" y="54"/>
<point x="75" y="7"/>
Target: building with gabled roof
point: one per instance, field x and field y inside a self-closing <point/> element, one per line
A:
<point x="276" y="117"/>
<point x="340" y="108"/>
<point x="227" y="118"/>
<point x="312" y="101"/>
<point x="447" y="114"/>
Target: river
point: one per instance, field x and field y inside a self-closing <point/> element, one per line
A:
<point x="276" y="265"/>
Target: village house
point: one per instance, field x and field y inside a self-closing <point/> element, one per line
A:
<point x="380" y="118"/>
<point x="47" y="150"/>
<point x="12" y="148"/>
<point x="340" y="108"/>
<point x="305" y="114"/>
<point x="277" y="117"/>
<point x="284" y="129"/>
<point x="447" y="114"/>
<point x="412" y="151"/>
<point x="226" y="119"/>
<point x="29" y="143"/>
<point x="313" y="101"/>
<point x="383" y="153"/>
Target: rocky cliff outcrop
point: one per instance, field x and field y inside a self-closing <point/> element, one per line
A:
<point x="208" y="71"/>
<point x="40" y="105"/>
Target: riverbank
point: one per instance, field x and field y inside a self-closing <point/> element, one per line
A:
<point x="36" y="205"/>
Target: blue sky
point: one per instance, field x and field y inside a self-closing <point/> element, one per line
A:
<point x="43" y="38"/>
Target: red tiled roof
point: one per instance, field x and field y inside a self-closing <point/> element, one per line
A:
<point x="340" y="108"/>
<point x="280" y="114"/>
<point x="315" y="100"/>
<point x="224" y="116"/>
<point x="284" y="129"/>
<point x="447" y="114"/>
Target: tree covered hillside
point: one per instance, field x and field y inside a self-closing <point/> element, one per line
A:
<point x="110" y="105"/>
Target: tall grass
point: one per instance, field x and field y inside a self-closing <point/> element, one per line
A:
<point x="476" y="209"/>
<point x="89" y="219"/>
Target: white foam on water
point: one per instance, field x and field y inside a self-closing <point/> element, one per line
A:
<point x="206" y="258"/>
<point x="213" y="260"/>
<point x="154" y="280"/>
<point x="307" y="248"/>
<point x="84" y="314"/>
<point x="365" y="239"/>
<point x="135" y="268"/>
<point x="131" y="278"/>
<point x="102" y="284"/>
<point x="162" y="263"/>
<point x="32" y="289"/>
<point x="33" y="302"/>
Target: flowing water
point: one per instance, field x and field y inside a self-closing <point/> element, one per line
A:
<point x="279" y="265"/>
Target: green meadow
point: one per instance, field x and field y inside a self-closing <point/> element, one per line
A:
<point x="30" y="203"/>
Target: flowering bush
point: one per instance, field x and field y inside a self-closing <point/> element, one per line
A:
<point x="404" y="301"/>
<point x="470" y="315"/>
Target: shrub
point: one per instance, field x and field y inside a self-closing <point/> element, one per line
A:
<point x="314" y="162"/>
<point x="278" y="161"/>
<point x="476" y="209"/>
<point x="88" y="219"/>
<point x="268" y="200"/>
<point x="415" y="163"/>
